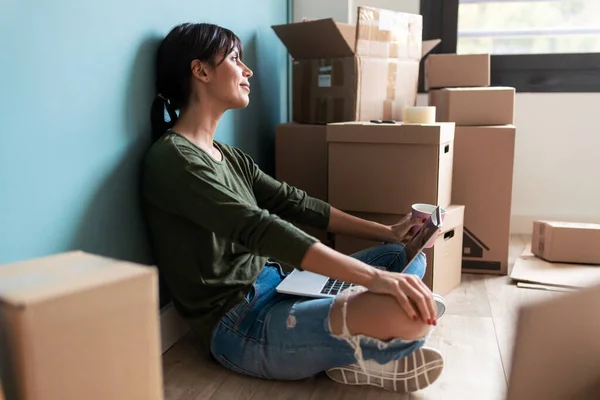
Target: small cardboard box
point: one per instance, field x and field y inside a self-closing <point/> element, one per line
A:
<point x="386" y="168"/>
<point x="457" y="70"/>
<point x="343" y="72"/>
<point x="77" y="326"/>
<point x="474" y="106"/>
<point x="443" y="260"/>
<point x="483" y="181"/>
<point x="566" y="242"/>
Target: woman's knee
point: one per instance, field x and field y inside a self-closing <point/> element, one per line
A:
<point x="374" y="315"/>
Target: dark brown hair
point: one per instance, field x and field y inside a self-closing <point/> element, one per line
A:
<point x="185" y="43"/>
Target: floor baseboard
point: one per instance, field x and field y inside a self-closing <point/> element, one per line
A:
<point x="172" y="327"/>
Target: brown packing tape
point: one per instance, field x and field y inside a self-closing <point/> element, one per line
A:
<point x="388" y="103"/>
<point x="394" y="49"/>
<point x="375" y="42"/>
<point x="392" y="80"/>
<point x="388" y="109"/>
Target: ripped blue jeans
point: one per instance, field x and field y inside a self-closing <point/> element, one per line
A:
<point x="258" y="337"/>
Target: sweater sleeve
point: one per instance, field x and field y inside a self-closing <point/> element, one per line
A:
<point x="204" y="199"/>
<point x="287" y="201"/>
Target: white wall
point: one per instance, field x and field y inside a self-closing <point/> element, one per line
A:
<point x="557" y="154"/>
<point x="317" y="9"/>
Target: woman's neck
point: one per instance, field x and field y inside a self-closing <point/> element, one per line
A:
<point x="199" y="124"/>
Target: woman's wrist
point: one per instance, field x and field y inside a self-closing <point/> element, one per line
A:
<point x="323" y="260"/>
<point x="390" y="235"/>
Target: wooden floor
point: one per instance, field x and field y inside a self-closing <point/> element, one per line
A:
<point x="475" y="336"/>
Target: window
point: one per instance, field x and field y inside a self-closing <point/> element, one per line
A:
<point x="536" y="45"/>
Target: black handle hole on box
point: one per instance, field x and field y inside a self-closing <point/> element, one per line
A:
<point x="446" y="148"/>
<point x="449" y="235"/>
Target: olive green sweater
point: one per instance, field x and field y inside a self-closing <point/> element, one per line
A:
<point x="214" y="225"/>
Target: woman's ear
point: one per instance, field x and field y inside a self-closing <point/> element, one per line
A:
<point x="200" y="70"/>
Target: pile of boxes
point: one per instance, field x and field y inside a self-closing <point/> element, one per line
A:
<point x="348" y="146"/>
<point x="484" y="145"/>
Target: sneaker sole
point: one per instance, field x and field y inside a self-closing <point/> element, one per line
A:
<point x="410" y="374"/>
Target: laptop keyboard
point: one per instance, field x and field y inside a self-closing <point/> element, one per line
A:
<point x="333" y="286"/>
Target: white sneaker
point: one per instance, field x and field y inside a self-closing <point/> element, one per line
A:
<point x="441" y="305"/>
<point x="408" y="374"/>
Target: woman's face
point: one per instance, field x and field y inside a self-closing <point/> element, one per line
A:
<point x="228" y="83"/>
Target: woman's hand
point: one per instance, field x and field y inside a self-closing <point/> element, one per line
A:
<point x="411" y="293"/>
<point x="401" y="229"/>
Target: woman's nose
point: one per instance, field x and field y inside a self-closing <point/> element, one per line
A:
<point x="247" y="72"/>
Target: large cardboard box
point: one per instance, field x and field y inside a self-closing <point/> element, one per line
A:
<point x="474" y="106"/>
<point x="482" y="181"/>
<point x="343" y="72"/>
<point x="77" y="326"/>
<point x="301" y="161"/>
<point x="386" y="168"/>
<point x="301" y="157"/>
<point x="545" y="363"/>
<point x="457" y="70"/>
<point x="566" y="242"/>
<point x="443" y="259"/>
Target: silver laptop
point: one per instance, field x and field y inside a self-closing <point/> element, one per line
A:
<point x="309" y="284"/>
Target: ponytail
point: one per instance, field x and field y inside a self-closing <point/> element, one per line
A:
<point x="157" y="116"/>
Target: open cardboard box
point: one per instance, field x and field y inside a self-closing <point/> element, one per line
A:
<point x="343" y="72"/>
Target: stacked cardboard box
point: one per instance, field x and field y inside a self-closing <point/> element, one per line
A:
<point x="459" y="88"/>
<point x="343" y="77"/>
<point x="343" y="72"/>
<point x="378" y="171"/>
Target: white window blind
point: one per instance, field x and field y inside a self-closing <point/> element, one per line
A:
<point x="528" y="27"/>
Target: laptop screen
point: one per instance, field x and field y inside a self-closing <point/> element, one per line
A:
<point x="429" y="229"/>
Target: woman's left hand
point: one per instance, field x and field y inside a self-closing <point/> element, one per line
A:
<point x="402" y="228"/>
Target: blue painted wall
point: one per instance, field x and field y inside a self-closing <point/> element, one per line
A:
<point x="76" y="79"/>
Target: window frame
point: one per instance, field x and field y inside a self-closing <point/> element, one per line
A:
<point x="533" y="73"/>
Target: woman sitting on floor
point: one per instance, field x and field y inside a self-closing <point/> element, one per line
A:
<point x="217" y="222"/>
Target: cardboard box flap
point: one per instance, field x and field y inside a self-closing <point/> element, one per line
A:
<point x="389" y="34"/>
<point x="399" y="133"/>
<point x="429" y="45"/>
<point x="37" y="280"/>
<point x="323" y="38"/>
<point x="529" y="268"/>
